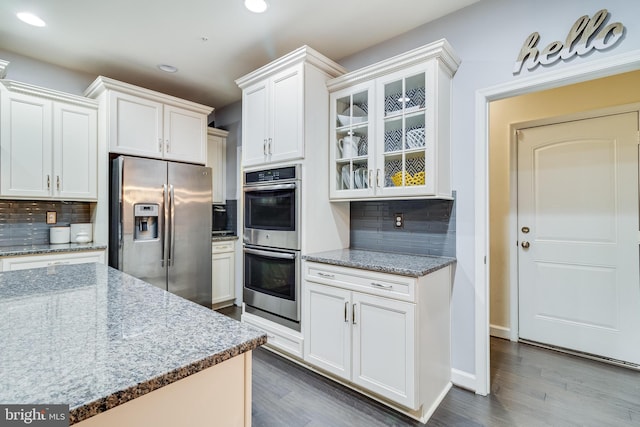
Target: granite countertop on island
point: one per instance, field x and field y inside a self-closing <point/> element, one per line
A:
<point x="94" y="337"/>
<point x="384" y="262"/>
<point x="49" y="249"/>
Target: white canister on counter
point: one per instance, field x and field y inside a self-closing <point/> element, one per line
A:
<point x="59" y="235"/>
<point x="81" y="233"/>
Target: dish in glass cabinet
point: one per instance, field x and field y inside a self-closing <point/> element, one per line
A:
<point x="352" y="115"/>
<point x="345" y="177"/>
<point x="360" y="178"/>
<point x="415" y="138"/>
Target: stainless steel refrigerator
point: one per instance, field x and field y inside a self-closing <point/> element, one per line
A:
<point x="160" y="228"/>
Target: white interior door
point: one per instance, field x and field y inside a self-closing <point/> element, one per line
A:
<point x="578" y="234"/>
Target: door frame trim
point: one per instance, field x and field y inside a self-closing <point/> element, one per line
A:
<point x="514" y="285"/>
<point x="603" y="67"/>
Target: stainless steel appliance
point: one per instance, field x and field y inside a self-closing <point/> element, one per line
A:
<point x="271" y="239"/>
<point x="160" y="222"/>
<point x="272" y="208"/>
<point x="219" y="218"/>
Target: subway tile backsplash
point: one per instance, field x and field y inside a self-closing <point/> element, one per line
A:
<point x="429" y="227"/>
<point x="23" y="223"/>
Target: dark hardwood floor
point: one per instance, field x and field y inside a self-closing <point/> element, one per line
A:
<point x="530" y="386"/>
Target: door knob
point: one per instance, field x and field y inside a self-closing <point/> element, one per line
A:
<point x="525" y="245"/>
<point x="525" y="230"/>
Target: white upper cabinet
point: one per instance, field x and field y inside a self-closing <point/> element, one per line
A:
<point x="49" y="144"/>
<point x="390" y="127"/>
<point x="145" y="123"/>
<point x="278" y="101"/>
<point x="216" y="160"/>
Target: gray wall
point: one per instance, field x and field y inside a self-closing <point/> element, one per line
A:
<point x="488" y="36"/>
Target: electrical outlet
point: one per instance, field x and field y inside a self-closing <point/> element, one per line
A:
<point x="52" y="217"/>
<point x="399" y="220"/>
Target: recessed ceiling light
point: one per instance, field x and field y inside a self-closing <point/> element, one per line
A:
<point x="256" y="6"/>
<point x="31" y="19"/>
<point x="167" y="68"/>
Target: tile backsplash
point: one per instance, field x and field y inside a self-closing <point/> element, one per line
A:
<point x="429" y="227"/>
<point x="23" y="223"/>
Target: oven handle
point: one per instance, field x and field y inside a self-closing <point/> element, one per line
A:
<point x="270" y="254"/>
<point x="290" y="186"/>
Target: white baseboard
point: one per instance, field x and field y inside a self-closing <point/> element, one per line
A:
<point x="463" y="379"/>
<point x="500" y="332"/>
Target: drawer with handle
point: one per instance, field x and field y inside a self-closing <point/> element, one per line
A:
<point x="371" y="282"/>
<point x="220" y="247"/>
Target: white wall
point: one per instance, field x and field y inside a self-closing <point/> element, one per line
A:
<point x="488" y="37"/>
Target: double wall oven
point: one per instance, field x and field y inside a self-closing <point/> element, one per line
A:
<point x="271" y="249"/>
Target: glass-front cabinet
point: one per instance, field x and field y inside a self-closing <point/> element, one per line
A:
<point x="390" y="127"/>
<point x="406" y="155"/>
<point x="352" y="113"/>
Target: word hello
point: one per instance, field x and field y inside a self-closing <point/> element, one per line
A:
<point x="585" y="35"/>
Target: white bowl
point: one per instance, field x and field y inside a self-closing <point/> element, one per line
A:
<point x="355" y="113"/>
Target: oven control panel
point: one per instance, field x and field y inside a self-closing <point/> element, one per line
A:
<point x="269" y="175"/>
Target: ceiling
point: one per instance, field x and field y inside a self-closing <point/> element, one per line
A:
<point x="211" y="42"/>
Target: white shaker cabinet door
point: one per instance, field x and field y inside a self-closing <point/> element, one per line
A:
<point x="223" y="274"/>
<point x="216" y="160"/>
<point x="135" y="126"/>
<point x="327" y="342"/>
<point x="255" y="110"/>
<point x="286" y="141"/>
<point x="384" y="347"/>
<point x="185" y="135"/>
<point x="26" y="144"/>
<point x="75" y="152"/>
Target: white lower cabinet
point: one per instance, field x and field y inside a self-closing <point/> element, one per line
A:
<point x="362" y="338"/>
<point x="223" y="277"/>
<point x="24" y="262"/>
<point x="383" y="334"/>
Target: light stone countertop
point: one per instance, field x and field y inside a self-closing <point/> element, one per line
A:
<point x="94" y="337"/>
<point x="383" y="262"/>
<point x="49" y="249"/>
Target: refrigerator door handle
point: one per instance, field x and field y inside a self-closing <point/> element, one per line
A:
<point x="165" y="194"/>
<point x="172" y="237"/>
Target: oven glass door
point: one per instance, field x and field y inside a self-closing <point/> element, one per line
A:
<point x="271" y="281"/>
<point x="269" y="272"/>
<point x="270" y="207"/>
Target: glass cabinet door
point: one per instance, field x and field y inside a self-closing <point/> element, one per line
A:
<point x="404" y="134"/>
<point x="351" y="141"/>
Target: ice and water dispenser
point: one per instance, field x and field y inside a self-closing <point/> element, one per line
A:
<point x="146" y="221"/>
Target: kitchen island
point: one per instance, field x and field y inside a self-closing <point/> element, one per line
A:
<point x="120" y="351"/>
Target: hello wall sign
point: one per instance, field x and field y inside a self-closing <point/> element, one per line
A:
<point x="586" y="35"/>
